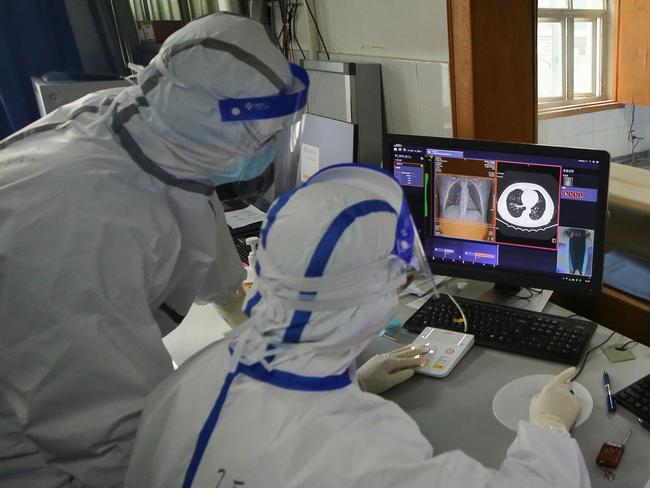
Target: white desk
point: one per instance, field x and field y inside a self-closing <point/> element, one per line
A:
<point x="456" y="412"/>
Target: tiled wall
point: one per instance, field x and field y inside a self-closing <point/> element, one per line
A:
<point x="410" y="43"/>
<point x="606" y="130"/>
<point x="417" y="97"/>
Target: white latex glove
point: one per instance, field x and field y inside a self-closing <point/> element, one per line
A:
<point x="555" y="406"/>
<point x="231" y="311"/>
<point x="384" y="371"/>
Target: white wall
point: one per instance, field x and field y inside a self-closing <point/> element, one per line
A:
<point x="409" y="39"/>
<point x="606" y="130"/>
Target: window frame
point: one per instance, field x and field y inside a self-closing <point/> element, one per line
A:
<point x="600" y="54"/>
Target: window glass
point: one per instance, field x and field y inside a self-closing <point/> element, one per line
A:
<point x="549" y="59"/>
<point x="583" y="57"/>
<point x="588" y="4"/>
<point x="553" y="4"/>
<point x="136" y="8"/>
<point x="199" y="8"/>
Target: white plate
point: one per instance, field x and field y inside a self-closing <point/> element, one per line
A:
<point x="511" y="403"/>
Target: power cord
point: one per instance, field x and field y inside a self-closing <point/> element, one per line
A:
<point x="286" y="37"/>
<point x="271" y="21"/>
<point x="634" y="139"/>
<point x="516" y="295"/>
<point x="320" y="36"/>
<point x="532" y="291"/>
<point x="460" y="309"/>
<point x="294" y="32"/>
<point x="624" y="346"/>
<point x="584" y="359"/>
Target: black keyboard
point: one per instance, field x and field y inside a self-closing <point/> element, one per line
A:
<point x="510" y="329"/>
<point x="636" y="398"/>
<point x="243" y="249"/>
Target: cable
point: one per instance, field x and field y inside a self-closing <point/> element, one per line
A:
<point x="278" y="39"/>
<point x="285" y="31"/>
<point x="274" y="33"/>
<point x="451" y="297"/>
<point x="284" y="39"/>
<point x="294" y="32"/>
<point x="291" y="30"/>
<point x="283" y="10"/>
<point x="516" y="295"/>
<point x="320" y="36"/>
<point x="584" y="360"/>
<point x="633" y="138"/>
<point x="288" y="35"/>
<point x="279" y="35"/>
<point x="624" y="346"/>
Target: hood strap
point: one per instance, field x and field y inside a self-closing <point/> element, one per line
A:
<point x="146" y="164"/>
<point x="291" y="381"/>
<point x="19" y="136"/>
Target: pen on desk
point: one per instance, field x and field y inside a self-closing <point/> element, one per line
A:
<point x="645" y="424"/>
<point x="383" y="334"/>
<point x="611" y="404"/>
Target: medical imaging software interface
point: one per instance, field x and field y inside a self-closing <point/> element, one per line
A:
<point x="521" y="213"/>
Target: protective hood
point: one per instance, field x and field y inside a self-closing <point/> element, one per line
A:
<point x="213" y="59"/>
<point x="335" y="240"/>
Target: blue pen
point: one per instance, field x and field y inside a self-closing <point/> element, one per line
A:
<point x="611" y="404"/>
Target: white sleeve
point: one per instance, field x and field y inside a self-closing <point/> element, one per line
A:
<point x="537" y="452"/>
<point x="227" y="273"/>
<point x="538" y="458"/>
<point x="82" y="348"/>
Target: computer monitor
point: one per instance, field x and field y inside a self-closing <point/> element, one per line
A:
<point x="325" y="142"/>
<point x="514" y="214"/>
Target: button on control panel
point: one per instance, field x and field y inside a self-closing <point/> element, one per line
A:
<point x="444" y="349"/>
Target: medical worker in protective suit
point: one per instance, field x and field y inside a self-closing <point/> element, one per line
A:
<point x="277" y="402"/>
<point x="110" y="229"/>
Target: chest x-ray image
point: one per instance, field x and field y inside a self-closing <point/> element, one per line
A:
<point x="575" y="251"/>
<point x="527" y="204"/>
<point x="465" y="206"/>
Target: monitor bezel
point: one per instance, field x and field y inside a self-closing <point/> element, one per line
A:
<point x="504" y="277"/>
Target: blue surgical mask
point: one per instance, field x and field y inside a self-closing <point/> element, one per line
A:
<point x="247" y="167"/>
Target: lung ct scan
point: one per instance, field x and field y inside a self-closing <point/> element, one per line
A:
<point x="527" y="204"/>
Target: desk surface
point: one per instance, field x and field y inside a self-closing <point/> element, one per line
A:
<point x="456" y="412"/>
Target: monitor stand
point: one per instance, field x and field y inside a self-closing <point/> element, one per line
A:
<point x="510" y="296"/>
<point x="508" y="290"/>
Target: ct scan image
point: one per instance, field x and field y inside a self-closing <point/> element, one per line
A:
<point x="464" y="206"/>
<point x="527" y="210"/>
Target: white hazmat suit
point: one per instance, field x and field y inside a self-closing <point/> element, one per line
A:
<point x="109" y="230"/>
<point x="278" y="406"/>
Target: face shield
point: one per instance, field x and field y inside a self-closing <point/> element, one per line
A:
<point x="409" y="248"/>
<point x="271" y="169"/>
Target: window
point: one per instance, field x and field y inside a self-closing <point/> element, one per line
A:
<point x="158" y="19"/>
<point x="147" y="10"/>
<point x="572" y="48"/>
<point x="156" y="9"/>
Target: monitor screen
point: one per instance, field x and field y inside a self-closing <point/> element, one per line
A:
<point x="324" y="142"/>
<point x="515" y="214"/>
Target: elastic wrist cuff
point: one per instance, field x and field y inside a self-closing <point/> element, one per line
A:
<point x="553" y="423"/>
